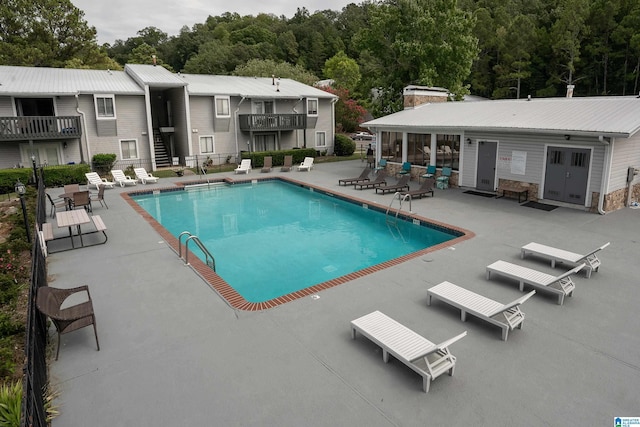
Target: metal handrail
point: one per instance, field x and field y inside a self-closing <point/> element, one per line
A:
<point x="209" y="260"/>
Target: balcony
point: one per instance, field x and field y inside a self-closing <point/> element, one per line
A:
<point x="39" y="128"/>
<point x="264" y="122"/>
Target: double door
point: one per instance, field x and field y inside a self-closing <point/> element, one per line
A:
<point x="567" y="174"/>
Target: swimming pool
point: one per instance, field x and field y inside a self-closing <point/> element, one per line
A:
<point x="272" y="238"/>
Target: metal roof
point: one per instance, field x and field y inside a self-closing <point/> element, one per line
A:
<point x="606" y="116"/>
<point x="153" y="76"/>
<point x="250" y="87"/>
<point x="32" y="81"/>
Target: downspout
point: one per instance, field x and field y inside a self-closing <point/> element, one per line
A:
<point x="607" y="170"/>
<point x="296" y="112"/>
<point x="333" y="116"/>
<point x="84" y="133"/>
<point x="235" y="119"/>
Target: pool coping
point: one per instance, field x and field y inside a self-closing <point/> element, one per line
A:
<point x="237" y="301"/>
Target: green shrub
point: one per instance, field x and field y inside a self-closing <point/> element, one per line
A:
<point x="8" y="289"/>
<point x="9" y="177"/>
<point x="57" y="176"/>
<point x="344" y="146"/>
<point x="10" y="404"/>
<point x="103" y="162"/>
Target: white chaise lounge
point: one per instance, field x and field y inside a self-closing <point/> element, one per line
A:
<point x="306" y="165"/>
<point x="121" y="179"/>
<point x="561" y="285"/>
<point x="144" y="176"/>
<point x="245" y="166"/>
<point x="507" y="316"/>
<point x="560" y="255"/>
<point x="94" y="179"/>
<point x="418" y="353"/>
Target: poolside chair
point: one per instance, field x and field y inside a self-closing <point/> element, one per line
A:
<point x="268" y="164"/>
<point x="406" y="169"/>
<point x="559" y="255"/>
<point x="100" y="197"/>
<point x="94" y="179"/>
<point x="55" y="204"/>
<point x="382" y="165"/>
<point x="71" y="188"/>
<point x="425" y="188"/>
<point x="507" y="316"/>
<point x="442" y="181"/>
<point x="81" y="199"/>
<point x="381" y="179"/>
<point x="121" y="179"/>
<point x="288" y="164"/>
<point x="306" y="164"/>
<point x="49" y="301"/>
<point x="142" y="175"/>
<point x="402" y="183"/>
<point x="244" y="167"/>
<point x="560" y="285"/>
<point x="430" y="173"/>
<point x="427" y="359"/>
<point x="364" y="177"/>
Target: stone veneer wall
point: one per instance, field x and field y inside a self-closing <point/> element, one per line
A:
<point x="616" y="200"/>
<point x="412" y="100"/>
<point x="532" y="195"/>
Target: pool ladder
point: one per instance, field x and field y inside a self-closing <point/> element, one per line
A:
<point x="209" y="260"/>
<point x="401" y="199"/>
<point x="393" y="222"/>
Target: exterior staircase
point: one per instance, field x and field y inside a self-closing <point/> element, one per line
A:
<point x="162" y="157"/>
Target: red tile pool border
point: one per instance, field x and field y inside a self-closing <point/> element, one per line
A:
<point x="233" y="298"/>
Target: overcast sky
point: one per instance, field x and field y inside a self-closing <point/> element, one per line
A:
<point x="122" y="19"/>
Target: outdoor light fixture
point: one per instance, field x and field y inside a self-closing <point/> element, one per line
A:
<point x="567" y="137"/>
<point x="21" y="189"/>
<point x="469" y="141"/>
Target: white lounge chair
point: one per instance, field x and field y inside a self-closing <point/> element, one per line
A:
<point x="120" y="178"/>
<point x="94" y="179"/>
<point x="560" y="285"/>
<point x="142" y="175"/>
<point x="306" y="164"/>
<point x="507" y="316"/>
<point x="245" y="166"/>
<point x="559" y="255"/>
<point x="418" y="353"/>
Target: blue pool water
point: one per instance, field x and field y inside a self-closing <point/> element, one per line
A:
<point x="272" y="238"/>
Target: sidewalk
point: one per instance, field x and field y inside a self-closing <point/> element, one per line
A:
<point x="173" y="353"/>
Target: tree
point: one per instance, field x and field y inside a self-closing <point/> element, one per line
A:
<point x="48" y="33"/>
<point x="349" y="114"/>
<point x="269" y="68"/>
<point x="343" y="70"/>
<point x="424" y="42"/>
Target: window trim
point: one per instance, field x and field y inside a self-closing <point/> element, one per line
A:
<point x="97" y="97"/>
<point x="309" y="100"/>
<point x="213" y="144"/>
<point x="324" y="133"/>
<point x="228" y="99"/>
<point x="135" y="140"/>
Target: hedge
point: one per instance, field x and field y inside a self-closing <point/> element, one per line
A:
<point x="257" y="157"/>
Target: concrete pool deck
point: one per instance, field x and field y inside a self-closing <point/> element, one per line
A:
<point x="173" y="352"/>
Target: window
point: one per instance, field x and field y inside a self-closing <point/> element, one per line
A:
<point x="129" y="149"/>
<point x="448" y="151"/>
<point x="105" y="106"/>
<point x="222" y="106"/>
<point x="312" y="107"/>
<point x="391" y="146"/>
<point x="206" y="144"/>
<point x="419" y="148"/>
<point x="321" y="139"/>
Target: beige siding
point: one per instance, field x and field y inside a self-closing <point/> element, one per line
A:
<point x="626" y="153"/>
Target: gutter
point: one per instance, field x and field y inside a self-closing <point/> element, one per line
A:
<point x="84" y="133"/>
<point x="607" y="171"/>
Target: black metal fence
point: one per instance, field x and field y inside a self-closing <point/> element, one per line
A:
<point x="35" y="369"/>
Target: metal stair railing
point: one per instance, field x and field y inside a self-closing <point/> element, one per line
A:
<point x="209" y="260"/>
